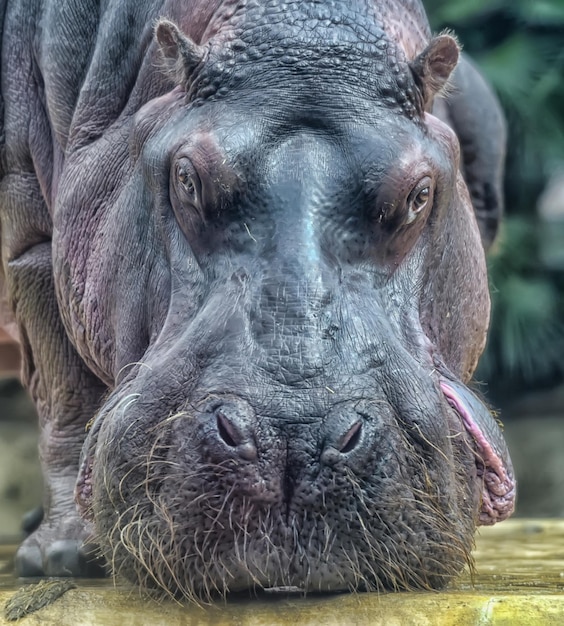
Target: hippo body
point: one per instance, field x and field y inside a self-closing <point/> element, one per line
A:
<point x="250" y="289"/>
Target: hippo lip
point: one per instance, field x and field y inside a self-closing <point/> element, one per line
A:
<point x="493" y="463"/>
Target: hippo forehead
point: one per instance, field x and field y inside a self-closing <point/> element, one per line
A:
<point x="313" y="47"/>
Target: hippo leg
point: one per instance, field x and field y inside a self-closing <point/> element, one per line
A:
<point x="473" y="111"/>
<point x="66" y="395"/>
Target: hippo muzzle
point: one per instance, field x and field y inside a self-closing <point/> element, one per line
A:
<point x="282" y="441"/>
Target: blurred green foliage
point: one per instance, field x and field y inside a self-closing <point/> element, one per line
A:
<point x="519" y="45"/>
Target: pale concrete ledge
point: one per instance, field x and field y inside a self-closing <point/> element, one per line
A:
<point x="519" y="581"/>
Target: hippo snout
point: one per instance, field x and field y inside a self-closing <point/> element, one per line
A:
<point x="225" y="493"/>
<point x="254" y="449"/>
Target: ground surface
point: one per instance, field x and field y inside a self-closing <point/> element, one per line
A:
<point x="519" y="582"/>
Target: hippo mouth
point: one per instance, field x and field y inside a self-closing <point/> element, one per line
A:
<point x="493" y="464"/>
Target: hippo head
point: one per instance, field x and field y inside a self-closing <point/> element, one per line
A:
<point x="298" y="299"/>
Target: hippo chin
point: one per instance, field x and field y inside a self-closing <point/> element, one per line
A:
<point x="246" y="257"/>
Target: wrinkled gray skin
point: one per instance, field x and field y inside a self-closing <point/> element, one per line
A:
<point x="243" y="259"/>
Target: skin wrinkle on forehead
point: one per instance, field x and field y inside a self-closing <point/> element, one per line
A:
<point x="376" y="62"/>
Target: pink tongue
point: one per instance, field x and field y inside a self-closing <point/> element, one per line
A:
<point x="492" y="458"/>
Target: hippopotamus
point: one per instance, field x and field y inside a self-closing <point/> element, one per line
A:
<point x="244" y="243"/>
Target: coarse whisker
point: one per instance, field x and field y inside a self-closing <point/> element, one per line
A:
<point x="167" y="421"/>
<point x="125" y="402"/>
<point x="163" y="560"/>
<point x="132" y="364"/>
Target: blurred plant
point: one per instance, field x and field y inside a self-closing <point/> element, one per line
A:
<point x="526" y="342"/>
<point x="519" y="46"/>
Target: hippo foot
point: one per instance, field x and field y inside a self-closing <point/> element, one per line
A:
<point x="61" y="550"/>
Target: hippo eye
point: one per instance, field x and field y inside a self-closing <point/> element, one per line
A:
<point x="186" y="181"/>
<point x="420" y="197"/>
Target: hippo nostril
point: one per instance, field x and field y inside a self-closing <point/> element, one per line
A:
<point x="227" y="430"/>
<point x="349" y="433"/>
<point x="351" y="439"/>
<point x="334" y="452"/>
<point x="234" y="422"/>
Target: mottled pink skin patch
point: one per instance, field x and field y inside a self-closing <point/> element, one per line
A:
<point x="494" y="467"/>
<point x="83" y="489"/>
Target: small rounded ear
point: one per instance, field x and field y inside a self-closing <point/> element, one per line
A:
<point x="433" y="67"/>
<point x="181" y="55"/>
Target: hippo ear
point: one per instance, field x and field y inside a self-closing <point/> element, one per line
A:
<point x="433" y="67"/>
<point x="181" y="55"/>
